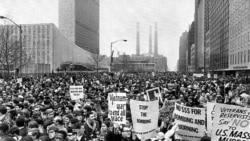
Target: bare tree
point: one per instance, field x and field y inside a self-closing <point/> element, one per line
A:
<point x="10" y="50"/>
<point x="97" y="59"/>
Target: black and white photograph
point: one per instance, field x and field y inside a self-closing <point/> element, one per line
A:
<point x="124" y="70"/>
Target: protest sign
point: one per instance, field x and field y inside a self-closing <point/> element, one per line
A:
<point x="117" y="107"/>
<point x="198" y="75"/>
<point x="208" y="75"/>
<point x="190" y="122"/>
<point x="76" y="92"/>
<point x="231" y="123"/>
<point x="210" y="117"/>
<point x="215" y="76"/>
<point x="167" y="109"/>
<point x="145" y="118"/>
<point x="154" y="94"/>
<point x="19" y="81"/>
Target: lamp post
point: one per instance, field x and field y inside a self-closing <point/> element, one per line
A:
<point x="111" y="54"/>
<point x="20" y="39"/>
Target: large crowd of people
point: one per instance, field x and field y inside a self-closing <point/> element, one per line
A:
<point x="39" y="108"/>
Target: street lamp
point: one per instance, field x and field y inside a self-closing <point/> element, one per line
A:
<point x="111" y="54"/>
<point x="20" y="38"/>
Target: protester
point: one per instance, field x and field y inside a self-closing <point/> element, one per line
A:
<point x="41" y="108"/>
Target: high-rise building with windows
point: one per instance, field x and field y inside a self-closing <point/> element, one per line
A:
<point x="183" y="46"/>
<point x="199" y="34"/>
<point x="219" y="34"/>
<point x="207" y="36"/>
<point x="79" y="21"/>
<point x="47" y="48"/>
<point x="239" y="37"/>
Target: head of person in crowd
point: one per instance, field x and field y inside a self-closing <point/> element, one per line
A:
<point x="91" y="117"/>
<point x="68" y="109"/>
<point x="71" y="135"/>
<point x="52" y="132"/>
<point x="79" y="115"/>
<point x="219" y="99"/>
<point x="33" y="133"/>
<point x="61" y="135"/>
<point x="14" y="133"/>
<point x="50" y="114"/>
<point x="3" y="111"/>
<point x="4" y="128"/>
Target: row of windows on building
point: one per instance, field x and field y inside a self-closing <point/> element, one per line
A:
<point x="240" y="42"/>
<point x="238" y="12"/>
<point x="240" y="57"/>
<point x="239" y="27"/>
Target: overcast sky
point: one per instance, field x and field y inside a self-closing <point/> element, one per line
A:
<point x="118" y="20"/>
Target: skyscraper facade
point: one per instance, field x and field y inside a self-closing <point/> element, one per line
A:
<point x="47" y="48"/>
<point x="219" y="34"/>
<point x="239" y="37"/>
<point x="79" y="22"/>
<point x="190" y="41"/>
<point x="199" y="34"/>
<point x="207" y="36"/>
<point x="183" y="45"/>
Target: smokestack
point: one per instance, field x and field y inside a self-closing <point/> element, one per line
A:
<point x="150" y="40"/>
<point x="156" y="41"/>
<point x="138" y="39"/>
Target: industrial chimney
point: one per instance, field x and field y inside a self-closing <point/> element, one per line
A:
<point x="156" y="41"/>
<point x="150" y="40"/>
<point x="138" y="39"/>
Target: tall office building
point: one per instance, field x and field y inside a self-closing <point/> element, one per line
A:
<point x="47" y="48"/>
<point x="199" y="34"/>
<point x="239" y="37"/>
<point x="79" y="22"/>
<point x="183" y="46"/>
<point x="190" y="41"/>
<point x="219" y="34"/>
<point x="207" y="36"/>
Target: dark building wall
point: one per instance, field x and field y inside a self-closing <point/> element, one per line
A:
<point x="183" y="46"/>
<point x="219" y="34"/>
<point x="87" y="25"/>
<point x="190" y="41"/>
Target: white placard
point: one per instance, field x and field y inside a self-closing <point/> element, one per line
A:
<point x="190" y="122"/>
<point x="145" y="118"/>
<point x="76" y="92"/>
<point x="231" y="123"/>
<point x="117" y="107"/>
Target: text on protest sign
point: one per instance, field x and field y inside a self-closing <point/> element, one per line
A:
<point x="76" y="92"/>
<point x="210" y="117"/>
<point x="190" y="121"/>
<point x="144" y="117"/>
<point x="117" y="107"/>
<point x="231" y="123"/>
<point x="198" y="74"/>
<point x="167" y="109"/>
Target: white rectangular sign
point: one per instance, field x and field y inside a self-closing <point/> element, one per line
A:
<point x="190" y="122"/>
<point x="210" y="117"/>
<point x="76" y="92"/>
<point x="231" y="123"/>
<point x="117" y="107"/>
<point x="145" y="118"/>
